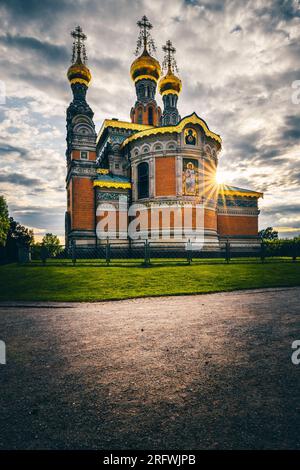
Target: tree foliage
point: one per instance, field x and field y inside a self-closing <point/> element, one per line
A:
<point x="268" y="234"/>
<point x="4" y="220"/>
<point x="17" y="235"/>
<point x="20" y="234"/>
<point x="52" y="243"/>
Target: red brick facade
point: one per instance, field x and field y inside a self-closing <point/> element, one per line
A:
<point x="82" y="204"/>
<point x="237" y="225"/>
<point x="210" y="219"/>
<point x="76" y="155"/>
<point x="165" y="176"/>
<point x="140" y="114"/>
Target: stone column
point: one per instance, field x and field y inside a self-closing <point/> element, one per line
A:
<point x="178" y="175"/>
<point x="152" y="177"/>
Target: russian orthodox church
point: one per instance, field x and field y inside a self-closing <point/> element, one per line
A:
<point x="157" y="159"/>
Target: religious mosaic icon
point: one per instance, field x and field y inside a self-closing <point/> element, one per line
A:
<point x="190" y="136"/>
<point x="190" y="177"/>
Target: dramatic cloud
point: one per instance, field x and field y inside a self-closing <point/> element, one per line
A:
<point x="44" y="50"/>
<point x="291" y="131"/>
<point x="6" y="149"/>
<point x="18" y="179"/>
<point x="237" y="60"/>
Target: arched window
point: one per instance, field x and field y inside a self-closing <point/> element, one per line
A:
<point x="158" y="148"/>
<point x="143" y="180"/>
<point x="146" y="149"/>
<point x="150" y="116"/>
<point x="140" y="116"/>
<point x="171" y="146"/>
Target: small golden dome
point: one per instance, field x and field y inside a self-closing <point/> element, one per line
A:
<point x="79" y="73"/>
<point x="169" y="84"/>
<point x="145" y="66"/>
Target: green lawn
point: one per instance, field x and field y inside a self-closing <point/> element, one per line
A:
<point x="91" y="283"/>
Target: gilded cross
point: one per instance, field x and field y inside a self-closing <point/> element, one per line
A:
<point x="169" y="60"/>
<point x="79" y="52"/>
<point x="145" y="40"/>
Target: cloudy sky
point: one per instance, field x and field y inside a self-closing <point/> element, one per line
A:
<point x="238" y="60"/>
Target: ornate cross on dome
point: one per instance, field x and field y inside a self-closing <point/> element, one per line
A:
<point x="79" y="53"/>
<point x="145" y="39"/>
<point x="169" y="62"/>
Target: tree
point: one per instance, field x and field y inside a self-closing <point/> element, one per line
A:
<point x="17" y="235"/>
<point x="268" y="234"/>
<point x="22" y="235"/>
<point x="52" y="243"/>
<point x="4" y="220"/>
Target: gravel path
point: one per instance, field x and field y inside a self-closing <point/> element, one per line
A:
<point x="192" y="372"/>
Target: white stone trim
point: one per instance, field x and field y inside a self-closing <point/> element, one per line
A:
<point x="88" y="155"/>
<point x="152" y="180"/>
<point x="179" y="175"/>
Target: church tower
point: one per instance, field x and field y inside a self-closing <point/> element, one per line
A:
<point x="145" y="72"/>
<point x="170" y="87"/>
<point x="81" y="150"/>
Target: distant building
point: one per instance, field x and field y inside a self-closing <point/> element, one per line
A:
<point x="158" y="159"/>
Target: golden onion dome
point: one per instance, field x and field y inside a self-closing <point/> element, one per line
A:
<point x="79" y="73"/>
<point x="169" y="83"/>
<point x="145" y="66"/>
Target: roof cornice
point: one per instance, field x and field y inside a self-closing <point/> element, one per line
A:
<point x="192" y="119"/>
